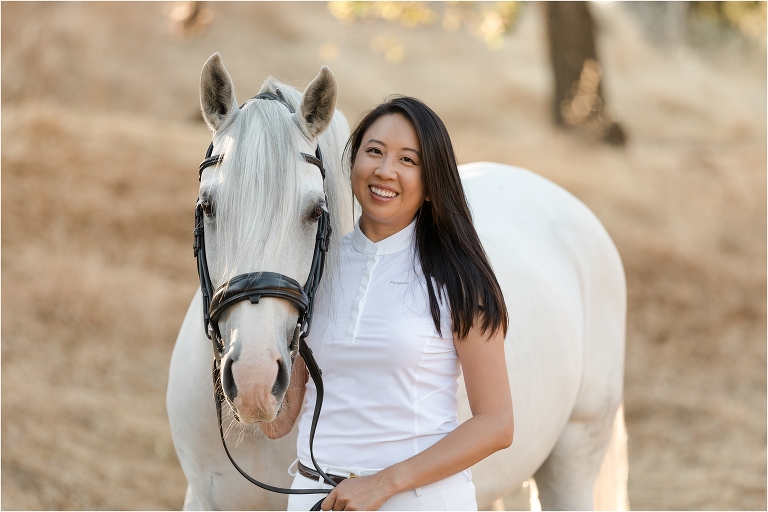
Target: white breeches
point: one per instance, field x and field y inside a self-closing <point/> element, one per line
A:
<point x="456" y="492"/>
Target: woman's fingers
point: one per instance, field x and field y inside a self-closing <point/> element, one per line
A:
<point x="355" y="494"/>
<point x="363" y="493"/>
<point x="328" y="502"/>
<point x="339" y="499"/>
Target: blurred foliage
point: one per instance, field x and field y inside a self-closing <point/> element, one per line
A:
<point x="583" y="98"/>
<point x="488" y="21"/>
<point x="408" y="14"/>
<point x="391" y="47"/>
<point x="747" y="17"/>
<point x="188" y="19"/>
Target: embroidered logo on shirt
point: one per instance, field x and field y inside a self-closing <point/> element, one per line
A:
<point x="398" y="282"/>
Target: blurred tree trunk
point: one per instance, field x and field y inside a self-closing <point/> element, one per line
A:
<point x="579" y="100"/>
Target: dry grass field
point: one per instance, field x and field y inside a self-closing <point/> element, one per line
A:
<point x="101" y="138"/>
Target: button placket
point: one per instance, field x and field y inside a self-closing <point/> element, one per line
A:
<point x="359" y="303"/>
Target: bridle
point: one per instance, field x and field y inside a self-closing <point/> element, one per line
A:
<point x="255" y="285"/>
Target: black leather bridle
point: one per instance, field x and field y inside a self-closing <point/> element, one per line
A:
<point x="255" y="285"/>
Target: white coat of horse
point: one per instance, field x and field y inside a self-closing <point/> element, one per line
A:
<point x="561" y="275"/>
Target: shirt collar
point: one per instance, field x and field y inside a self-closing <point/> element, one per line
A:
<point x="401" y="240"/>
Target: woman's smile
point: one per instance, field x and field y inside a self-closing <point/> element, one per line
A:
<point x="382" y="193"/>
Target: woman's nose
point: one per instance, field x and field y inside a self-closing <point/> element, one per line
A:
<point x="386" y="170"/>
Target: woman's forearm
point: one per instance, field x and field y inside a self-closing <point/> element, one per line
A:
<point x="469" y="443"/>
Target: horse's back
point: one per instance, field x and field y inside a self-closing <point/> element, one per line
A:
<point x="529" y="225"/>
<point x="506" y="200"/>
<point x="556" y="264"/>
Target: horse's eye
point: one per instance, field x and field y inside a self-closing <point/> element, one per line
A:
<point x="318" y="211"/>
<point x="207" y="207"/>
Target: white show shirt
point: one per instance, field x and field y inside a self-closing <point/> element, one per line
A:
<point x="390" y="379"/>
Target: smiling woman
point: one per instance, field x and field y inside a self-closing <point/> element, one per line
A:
<point x="417" y="304"/>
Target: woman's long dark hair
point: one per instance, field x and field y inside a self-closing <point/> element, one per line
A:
<point x="447" y="244"/>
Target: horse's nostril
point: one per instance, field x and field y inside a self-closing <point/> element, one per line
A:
<point x="228" y="380"/>
<point x="283" y="377"/>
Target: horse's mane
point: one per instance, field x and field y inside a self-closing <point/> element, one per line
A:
<point x="264" y="179"/>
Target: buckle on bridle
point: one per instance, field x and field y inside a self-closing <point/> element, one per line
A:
<point x="294" y="346"/>
<point x="216" y="341"/>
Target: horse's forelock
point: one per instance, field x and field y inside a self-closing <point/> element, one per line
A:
<point x="259" y="194"/>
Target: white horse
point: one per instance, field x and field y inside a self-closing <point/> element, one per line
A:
<point x="561" y="275"/>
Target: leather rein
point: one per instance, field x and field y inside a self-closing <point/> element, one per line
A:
<point x="255" y="285"/>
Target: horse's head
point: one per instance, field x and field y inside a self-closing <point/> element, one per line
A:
<point x="260" y="208"/>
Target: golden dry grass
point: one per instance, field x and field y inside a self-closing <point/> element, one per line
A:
<point x="100" y="141"/>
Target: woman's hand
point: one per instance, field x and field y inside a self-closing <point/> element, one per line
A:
<point x="361" y="493"/>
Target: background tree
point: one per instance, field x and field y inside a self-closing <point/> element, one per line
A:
<point x="579" y="100"/>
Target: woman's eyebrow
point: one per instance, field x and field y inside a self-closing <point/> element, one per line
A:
<point x="377" y="141"/>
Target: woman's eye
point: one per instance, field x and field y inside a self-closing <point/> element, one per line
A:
<point x="375" y="151"/>
<point x="207" y="207"/>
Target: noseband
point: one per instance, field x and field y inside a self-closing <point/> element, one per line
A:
<point x="255" y="285"/>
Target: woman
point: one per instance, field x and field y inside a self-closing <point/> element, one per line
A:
<point x="417" y="303"/>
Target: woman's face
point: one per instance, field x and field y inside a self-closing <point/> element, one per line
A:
<point x="386" y="177"/>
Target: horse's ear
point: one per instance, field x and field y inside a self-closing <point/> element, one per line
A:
<point x="318" y="104"/>
<point x="217" y="93"/>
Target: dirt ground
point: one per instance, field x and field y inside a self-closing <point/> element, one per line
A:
<point x="101" y="138"/>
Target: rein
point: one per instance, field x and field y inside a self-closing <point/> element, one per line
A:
<point x="253" y="286"/>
